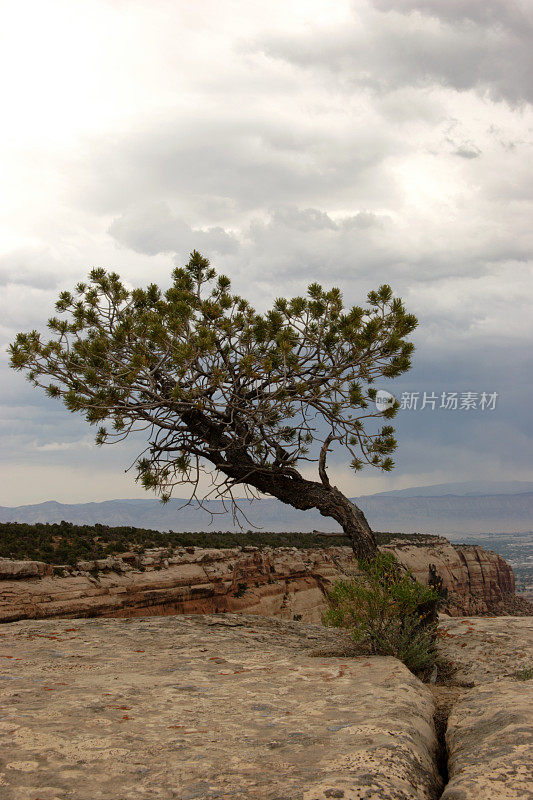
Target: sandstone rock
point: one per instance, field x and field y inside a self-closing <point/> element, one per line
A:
<point x="10" y="569"/>
<point x="486" y="649"/>
<point x="478" y="581"/>
<point x="273" y="581"/>
<point x="117" y="564"/>
<point x="208" y="708"/>
<point x="490" y="743"/>
<point x="285" y="582"/>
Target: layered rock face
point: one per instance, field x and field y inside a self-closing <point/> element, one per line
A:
<point x="478" y="581"/>
<point x="282" y="582"/>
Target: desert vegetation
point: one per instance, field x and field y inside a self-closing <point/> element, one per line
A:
<point x="66" y="543"/>
<point x="388" y="612"/>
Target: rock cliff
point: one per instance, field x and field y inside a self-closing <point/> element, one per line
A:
<point x="282" y="582"/>
<point x="478" y="581"/>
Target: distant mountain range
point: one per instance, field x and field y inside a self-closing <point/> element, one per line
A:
<point x="471" y="507"/>
<point x="464" y="489"/>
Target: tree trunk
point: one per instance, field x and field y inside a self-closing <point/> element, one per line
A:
<point x="353" y="522"/>
<point x="305" y="495"/>
<point x="289" y="487"/>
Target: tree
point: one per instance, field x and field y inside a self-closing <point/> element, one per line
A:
<point x="219" y="388"/>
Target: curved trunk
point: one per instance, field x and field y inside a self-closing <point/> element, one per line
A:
<point x="289" y="487"/>
<point x="328" y="500"/>
<point x="353" y="522"/>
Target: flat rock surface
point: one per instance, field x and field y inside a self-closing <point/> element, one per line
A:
<point x="209" y="707"/>
<point x="484" y="649"/>
<point x="489" y="737"/>
<point x="490" y="743"/>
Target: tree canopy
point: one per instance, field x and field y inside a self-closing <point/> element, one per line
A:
<point x="251" y="398"/>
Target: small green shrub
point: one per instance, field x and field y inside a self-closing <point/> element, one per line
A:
<point x="387" y="612"/>
<point x="524" y="674"/>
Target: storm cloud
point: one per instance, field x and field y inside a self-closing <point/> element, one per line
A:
<point x="463" y="45"/>
<point x="350" y="143"/>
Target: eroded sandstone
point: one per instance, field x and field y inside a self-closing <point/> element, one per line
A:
<point x="489" y="736"/>
<point x="285" y="582"/>
<point x="207" y="707"/>
<point x="481" y="650"/>
<point x="478" y="581"/>
<point x="490" y="743"/>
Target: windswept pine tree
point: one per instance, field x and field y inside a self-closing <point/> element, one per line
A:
<point x="249" y="398"/>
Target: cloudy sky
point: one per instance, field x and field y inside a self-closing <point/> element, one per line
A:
<point x="352" y="143"/>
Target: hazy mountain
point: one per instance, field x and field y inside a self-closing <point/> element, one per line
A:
<point x="465" y="488"/>
<point x="444" y="508"/>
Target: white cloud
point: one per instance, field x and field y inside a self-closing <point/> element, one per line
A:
<point x="461" y="45"/>
<point x="54" y="447"/>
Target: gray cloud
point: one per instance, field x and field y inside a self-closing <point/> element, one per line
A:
<point x="369" y="246"/>
<point x="461" y="45"/>
<point x="515" y="16"/>
<point x="467" y="151"/>
<point x="155" y="229"/>
<point x="29" y="267"/>
<point x="392" y="144"/>
<point x="239" y="162"/>
<point x="453" y="282"/>
<point x="501" y="438"/>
